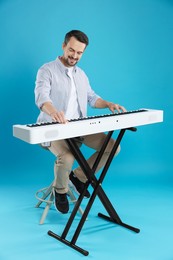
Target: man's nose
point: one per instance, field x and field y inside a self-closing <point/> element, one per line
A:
<point x="75" y="55"/>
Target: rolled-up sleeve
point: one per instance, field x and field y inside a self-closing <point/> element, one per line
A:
<point x="42" y="87"/>
<point x="92" y="97"/>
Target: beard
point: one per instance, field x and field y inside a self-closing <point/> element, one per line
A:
<point x="70" y="61"/>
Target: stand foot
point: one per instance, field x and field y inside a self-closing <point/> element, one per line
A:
<point x="68" y="243"/>
<point x="136" y="230"/>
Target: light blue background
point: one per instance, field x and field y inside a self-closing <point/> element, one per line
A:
<point x="129" y="61"/>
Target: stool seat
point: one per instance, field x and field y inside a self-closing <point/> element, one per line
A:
<point x="46" y="195"/>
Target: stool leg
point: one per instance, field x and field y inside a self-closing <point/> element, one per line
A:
<point x="45" y="193"/>
<point x="46" y="210"/>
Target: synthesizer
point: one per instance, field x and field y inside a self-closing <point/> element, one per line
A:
<point x="46" y="132"/>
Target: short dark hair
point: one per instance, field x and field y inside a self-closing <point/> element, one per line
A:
<point x="80" y="36"/>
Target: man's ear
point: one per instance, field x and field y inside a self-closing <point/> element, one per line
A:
<point x="63" y="45"/>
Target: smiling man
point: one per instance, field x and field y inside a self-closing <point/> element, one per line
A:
<point x="62" y="92"/>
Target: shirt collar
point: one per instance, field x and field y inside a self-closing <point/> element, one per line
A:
<point x="63" y="67"/>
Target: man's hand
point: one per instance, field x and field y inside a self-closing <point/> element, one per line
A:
<point x="58" y="117"/>
<point x="100" y="103"/>
<point x="112" y="107"/>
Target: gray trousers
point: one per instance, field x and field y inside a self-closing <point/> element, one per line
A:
<point x="65" y="159"/>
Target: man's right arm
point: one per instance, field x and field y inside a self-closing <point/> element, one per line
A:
<point x="42" y="96"/>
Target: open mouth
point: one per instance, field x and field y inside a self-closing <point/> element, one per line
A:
<point x="72" y="59"/>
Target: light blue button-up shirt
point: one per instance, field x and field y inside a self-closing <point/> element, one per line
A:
<point x="53" y="85"/>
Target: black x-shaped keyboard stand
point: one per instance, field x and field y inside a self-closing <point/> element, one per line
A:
<point x="97" y="191"/>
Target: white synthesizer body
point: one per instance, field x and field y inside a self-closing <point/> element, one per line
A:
<point x="46" y="132"/>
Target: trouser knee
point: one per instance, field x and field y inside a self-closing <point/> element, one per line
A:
<point x="66" y="160"/>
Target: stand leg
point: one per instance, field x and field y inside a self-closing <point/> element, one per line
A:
<point x="66" y="242"/>
<point x="136" y="230"/>
<point x="74" y="200"/>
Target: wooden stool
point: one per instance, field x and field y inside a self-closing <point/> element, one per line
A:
<point x="46" y="195"/>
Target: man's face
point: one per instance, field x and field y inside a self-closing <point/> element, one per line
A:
<point x="72" y="52"/>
